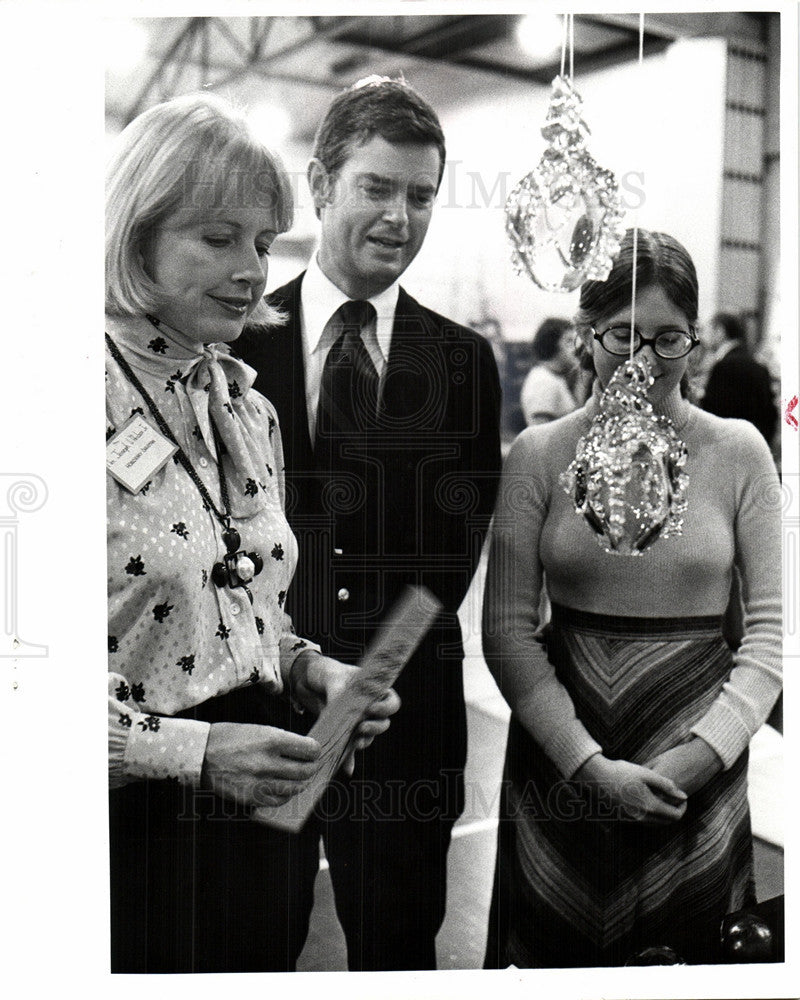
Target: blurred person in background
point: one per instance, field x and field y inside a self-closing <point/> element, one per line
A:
<point x="546" y="393"/>
<point x="202" y="657"/>
<point x="737" y="386"/>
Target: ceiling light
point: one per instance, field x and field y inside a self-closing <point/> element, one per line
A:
<point x="271" y="124"/>
<point x="540" y="34"/>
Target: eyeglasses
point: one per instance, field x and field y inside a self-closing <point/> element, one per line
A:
<point x="669" y="344"/>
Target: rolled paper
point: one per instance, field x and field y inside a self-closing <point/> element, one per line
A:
<point x="564" y="218"/>
<point x="628" y="478"/>
<point x="384" y="659"/>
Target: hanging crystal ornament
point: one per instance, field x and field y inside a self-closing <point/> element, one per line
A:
<point x="564" y="218"/>
<point x="627" y="478"/>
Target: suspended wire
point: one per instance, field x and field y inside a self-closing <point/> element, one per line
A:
<point x="568" y="39"/>
<point x="572" y="46"/>
<point x="636" y="210"/>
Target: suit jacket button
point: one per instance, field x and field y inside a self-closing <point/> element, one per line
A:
<point x="344" y="594"/>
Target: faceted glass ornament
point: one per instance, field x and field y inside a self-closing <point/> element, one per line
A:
<point x="564" y="219"/>
<point x="628" y="476"/>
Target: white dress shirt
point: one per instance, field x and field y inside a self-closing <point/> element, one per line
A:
<point x="319" y="300"/>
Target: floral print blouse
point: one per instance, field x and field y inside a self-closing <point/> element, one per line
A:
<point x="175" y="638"/>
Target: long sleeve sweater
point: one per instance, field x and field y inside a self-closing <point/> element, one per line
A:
<point x="733" y="518"/>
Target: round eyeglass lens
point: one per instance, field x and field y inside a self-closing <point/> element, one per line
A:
<point x="672" y="344"/>
<point x="617" y="340"/>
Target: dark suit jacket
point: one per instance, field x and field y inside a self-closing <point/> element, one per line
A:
<point x="412" y="507"/>
<point x="740" y="387"/>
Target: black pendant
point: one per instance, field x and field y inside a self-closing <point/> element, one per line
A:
<point x="232" y="540"/>
<point x="237" y="569"/>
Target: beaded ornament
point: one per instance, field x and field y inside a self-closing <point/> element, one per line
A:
<point x="564" y="218"/>
<point x="627" y="478"/>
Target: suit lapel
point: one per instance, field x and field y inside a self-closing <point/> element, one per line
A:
<point x="413" y="370"/>
<point x="287" y="379"/>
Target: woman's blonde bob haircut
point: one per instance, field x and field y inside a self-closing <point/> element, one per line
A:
<point x="194" y="151"/>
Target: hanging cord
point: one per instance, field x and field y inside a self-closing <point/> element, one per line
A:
<point x="636" y="210"/>
<point x="568" y="39"/>
<point x="572" y="46"/>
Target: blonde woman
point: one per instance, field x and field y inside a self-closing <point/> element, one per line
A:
<point x="202" y="656"/>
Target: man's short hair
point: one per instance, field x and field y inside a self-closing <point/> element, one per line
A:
<point x="732" y="326"/>
<point x="376" y="105"/>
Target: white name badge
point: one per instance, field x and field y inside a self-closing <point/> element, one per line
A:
<point x="136" y="453"/>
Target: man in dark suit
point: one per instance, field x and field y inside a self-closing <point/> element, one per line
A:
<point x="738" y="386"/>
<point x="389" y="415"/>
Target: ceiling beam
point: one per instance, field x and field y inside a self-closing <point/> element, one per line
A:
<point x="183" y="39"/>
<point x="179" y="56"/>
<point x="722" y="24"/>
<point x="320" y="33"/>
<point x="444" y="40"/>
<point x="585" y="62"/>
<point x="450" y="41"/>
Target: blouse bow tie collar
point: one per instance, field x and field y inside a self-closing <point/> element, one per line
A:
<point x="216" y="387"/>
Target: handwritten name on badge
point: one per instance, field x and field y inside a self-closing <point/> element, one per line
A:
<point x="136" y="453"/>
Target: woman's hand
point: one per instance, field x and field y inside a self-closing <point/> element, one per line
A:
<point x="690" y="765"/>
<point x="317" y="680"/>
<point x="257" y="765"/>
<point x="638" y="792"/>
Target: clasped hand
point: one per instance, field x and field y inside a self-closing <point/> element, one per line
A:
<point x="639" y="793"/>
<point x="263" y="765"/>
<point x="656" y="792"/>
<point x="690" y="765"/>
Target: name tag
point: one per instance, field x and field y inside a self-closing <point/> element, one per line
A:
<point x="137" y="452"/>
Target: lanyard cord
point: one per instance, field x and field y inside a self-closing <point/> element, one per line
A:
<point x="222" y="516"/>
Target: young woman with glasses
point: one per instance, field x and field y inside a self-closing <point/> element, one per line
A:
<point x="624" y="817"/>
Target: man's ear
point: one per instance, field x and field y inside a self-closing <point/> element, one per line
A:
<point x="320" y="183"/>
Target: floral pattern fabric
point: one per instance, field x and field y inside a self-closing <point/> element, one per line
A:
<point x="175" y="638"/>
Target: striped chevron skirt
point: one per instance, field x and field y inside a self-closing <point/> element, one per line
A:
<point x="575" y="884"/>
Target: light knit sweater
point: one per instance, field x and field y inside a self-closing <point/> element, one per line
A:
<point x="733" y="517"/>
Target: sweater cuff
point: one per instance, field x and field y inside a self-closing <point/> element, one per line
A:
<point x="725" y="733"/>
<point x="571" y="747"/>
<point x="160" y="747"/>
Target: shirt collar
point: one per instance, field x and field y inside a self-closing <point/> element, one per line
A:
<point x="163" y="352"/>
<point x="320" y="298"/>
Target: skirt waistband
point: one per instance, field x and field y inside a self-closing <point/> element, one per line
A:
<point x="640" y="628"/>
